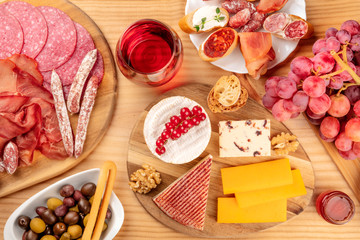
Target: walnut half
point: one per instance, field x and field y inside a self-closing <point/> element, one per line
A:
<point x="144" y="179"/>
<point x="284" y="143"/>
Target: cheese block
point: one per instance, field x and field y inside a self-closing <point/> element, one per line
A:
<point x="250" y="138"/>
<point x="185" y="199"/>
<point x="256" y="176"/>
<point x="297" y="188"/>
<point x="230" y="212"/>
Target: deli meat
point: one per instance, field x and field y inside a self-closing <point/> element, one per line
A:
<point x="61" y="40"/>
<point x="256" y="21"/>
<point x="234" y="6"/>
<point x="10" y="158"/>
<point x="185" y="199"/>
<point x="33" y="25"/>
<point x="11" y="36"/>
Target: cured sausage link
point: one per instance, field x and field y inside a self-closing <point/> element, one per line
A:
<point x="73" y="102"/>
<point x="62" y="114"/>
<point x="11" y="158"/>
<point x="84" y="116"/>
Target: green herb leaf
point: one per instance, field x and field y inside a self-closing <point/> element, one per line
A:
<point x="221" y="18"/>
<point x="202" y="26"/>
<point x="197" y="27"/>
<point x="217" y="10"/>
<point x="203" y="20"/>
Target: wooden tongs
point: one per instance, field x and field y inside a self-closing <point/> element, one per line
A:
<point x="97" y="216"/>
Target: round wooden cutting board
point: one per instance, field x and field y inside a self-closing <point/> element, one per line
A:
<point x="101" y="115"/>
<point x="138" y="154"/>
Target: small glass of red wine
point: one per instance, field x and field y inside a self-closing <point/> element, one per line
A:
<point x="149" y="52"/>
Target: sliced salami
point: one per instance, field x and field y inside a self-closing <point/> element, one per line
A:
<point x="11" y="36"/>
<point x="296" y="30"/>
<point x="11" y="157"/>
<point x="33" y="25"/>
<point x="61" y="41"/>
<point x="276" y="22"/>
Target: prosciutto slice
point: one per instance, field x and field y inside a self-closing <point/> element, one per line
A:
<point x="257" y="50"/>
<point x="269" y="6"/>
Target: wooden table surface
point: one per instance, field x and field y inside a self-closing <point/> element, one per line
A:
<point x="113" y="16"/>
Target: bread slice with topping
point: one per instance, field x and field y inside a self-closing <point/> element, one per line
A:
<point x="204" y="19"/>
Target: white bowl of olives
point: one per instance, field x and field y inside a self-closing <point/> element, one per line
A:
<point x="61" y="209"/>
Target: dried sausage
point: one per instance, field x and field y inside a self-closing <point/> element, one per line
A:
<point x="11" y="157"/>
<point x="240" y="18"/>
<point x="234" y="6"/>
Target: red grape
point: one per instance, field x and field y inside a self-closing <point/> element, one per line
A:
<point x="315" y="116"/>
<point x="301" y="66"/>
<point x="301" y="99"/>
<point x="355" y="43"/>
<point x="314" y="86"/>
<point x="315" y="121"/>
<point x="279" y="111"/>
<point x="343" y="143"/>
<point x="269" y="101"/>
<point x="356" y="148"/>
<point x="352" y="129"/>
<point x="323" y="63"/>
<point x="185" y="113"/>
<point x="348" y="155"/>
<point x="351" y="26"/>
<point x="336" y="82"/>
<point x="325" y="138"/>
<point x="357" y="70"/>
<point x="353" y="94"/>
<point x="356" y="108"/>
<point x="349" y="54"/>
<point x="286" y="88"/>
<point x="343" y="36"/>
<point x="270" y="85"/>
<point x="196" y="110"/>
<point x="345" y="75"/>
<point x="332" y="44"/>
<point x="294" y="77"/>
<point x="295" y="115"/>
<point x="319" y="46"/>
<point x="290" y="106"/>
<point x="330" y="127"/>
<point x="331" y="32"/>
<point x="160" y="151"/>
<point x="340" y="105"/>
<point x="320" y="104"/>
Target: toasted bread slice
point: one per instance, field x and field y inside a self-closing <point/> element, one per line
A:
<point x="227" y="90"/>
<point x="187" y="25"/>
<point x="211" y="54"/>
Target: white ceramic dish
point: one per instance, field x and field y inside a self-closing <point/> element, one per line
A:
<point x="12" y="231"/>
<point x="235" y="62"/>
<point x="190" y="145"/>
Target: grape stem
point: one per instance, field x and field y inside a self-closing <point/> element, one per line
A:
<point x="345" y="66"/>
<point x="344" y="87"/>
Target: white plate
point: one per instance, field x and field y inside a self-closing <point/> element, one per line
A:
<point x="13" y="231"/>
<point x="235" y="62"/>
<point x="190" y="145"/>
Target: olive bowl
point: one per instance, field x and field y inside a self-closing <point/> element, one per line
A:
<point x="13" y="231"/>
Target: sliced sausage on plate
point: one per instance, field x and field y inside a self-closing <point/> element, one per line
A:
<point x="61" y="41"/>
<point x="33" y="25"/>
<point x="11" y="36"/>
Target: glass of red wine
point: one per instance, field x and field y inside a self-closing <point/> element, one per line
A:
<point x="149" y="52"/>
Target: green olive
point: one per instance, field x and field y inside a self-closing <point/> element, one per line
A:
<point x="48" y="237"/>
<point x="74" y="209"/>
<point x="65" y="236"/>
<point x="53" y="203"/>
<point x="104" y="226"/>
<point x="75" y="231"/>
<point x="86" y="219"/>
<point x="37" y="225"/>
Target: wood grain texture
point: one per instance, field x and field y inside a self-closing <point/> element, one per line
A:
<point x="112" y="17"/>
<point x="139" y="154"/>
<point x="44" y="168"/>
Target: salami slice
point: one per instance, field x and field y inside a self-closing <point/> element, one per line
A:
<point x="11" y="36"/>
<point x="61" y="41"/>
<point x="296" y="30"/>
<point x="33" y="25"/>
<point x="276" y="22"/>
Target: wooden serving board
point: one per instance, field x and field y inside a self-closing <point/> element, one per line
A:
<point x="139" y="154"/>
<point x="43" y="168"/>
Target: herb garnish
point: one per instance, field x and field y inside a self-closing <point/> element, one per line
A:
<point x="203" y="20"/>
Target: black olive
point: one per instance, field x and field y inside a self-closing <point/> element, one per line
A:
<point x="24" y="222"/>
<point x="84" y="206"/>
<point x="88" y="189"/>
<point x="49" y="217"/>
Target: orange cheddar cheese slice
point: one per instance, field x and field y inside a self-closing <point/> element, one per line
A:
<point x="230" y="212"/>
<point x="256" y="176"/>
<point x="297" y="188"/>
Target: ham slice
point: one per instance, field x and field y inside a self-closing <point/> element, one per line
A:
<point x="185" y="199"/>
<point x="269" y="6"/>
<point x="257" y="50"/>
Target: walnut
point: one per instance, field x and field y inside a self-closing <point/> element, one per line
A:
<point x="144" y="180"/>
<point x="284" y="143"/>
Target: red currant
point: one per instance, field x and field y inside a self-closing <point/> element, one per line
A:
<point x="175" y="134"/>
<point x="182" y="129"/>
<point x="160" y="151"/>
<point x="169" y="126"/>
<point x="185" y="113"/>
<point x="165" y="134"/>
<point x="195" y="121"/>
<point x="196" y="110"/>
<point x="160" y="142"/>
<point x="175" y="120"/>
<point x="202" y="117"/>
<point x="187" y="123"/>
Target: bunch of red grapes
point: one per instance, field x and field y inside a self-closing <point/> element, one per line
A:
<point x="325" y="87"/>
<point x="179" y="125"/>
